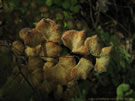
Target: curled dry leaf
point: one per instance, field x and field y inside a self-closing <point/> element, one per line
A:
<point x="75" y="41"/>
<point x="34" y="63"/>
<point x="47" y="86"/>
<point x="33" y="51"/>
<point x="103" y="61"/>
<point x="48" y="64"/>
<point x="49" y="30"/>
<point x="93" y="45"/>
<point x="49" y="59"/>
<point x="33" y="38"/>
<point x="50" y="49"/>
<point x="82" y="69"/>
<point x="23" y="33"/>
<point x="61" y="71"/>
<point x="36" y="77"/>
<point x="59" y="92"/>
<point x="17" y="47"/>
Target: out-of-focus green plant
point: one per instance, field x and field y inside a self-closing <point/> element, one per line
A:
<point x="15" y="91"/>
<point x="82" y="92"/>
<point x="124" y="92"/>
<point x="5" y="62"/>
<point x="120" y="61"/>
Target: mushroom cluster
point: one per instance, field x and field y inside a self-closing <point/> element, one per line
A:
<point x="47" y="69"/>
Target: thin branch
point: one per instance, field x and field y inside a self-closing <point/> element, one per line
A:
<point x="124" y="28"/>
<point x="91" y="15"/>
<point x="21" y="72"/>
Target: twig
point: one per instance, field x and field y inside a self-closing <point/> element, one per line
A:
<point x="91" y="15"/>
<point x="124" y="28"/>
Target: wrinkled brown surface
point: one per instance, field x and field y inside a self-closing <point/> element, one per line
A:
<point x="103" y="61"/>
<point x="93" y="45"/>
<point x="75" y="41"/>
<point x="61" y="71"/>
<point x="47" y="69"/>
<point x="49" y="30"/>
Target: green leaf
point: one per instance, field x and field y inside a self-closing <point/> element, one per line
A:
<point x="23" y="10"/>
<point x="58" y="2"/>
<point x="35" y="23"/>
<point x="66" y="4"/>
<point x="73" y="2"/>
<point x="122" y="63"/>
<point x="40" y="2"/>
<point x="49" y="2"/>
<point x="126" y="54"/>
<point x="67" y="15"/>
<point x="83" y="88"/>
<point x="122" y="88"/>
<point x="75" y="9"/>
<point x="129" y="93"/>
<point x="131" y="99"/>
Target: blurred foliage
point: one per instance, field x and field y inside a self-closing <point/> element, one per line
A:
<point x="124" y="92"/>
<point x="14" y="91"/>
<point x="5" y="62"/>
<point x="17" y="14"/>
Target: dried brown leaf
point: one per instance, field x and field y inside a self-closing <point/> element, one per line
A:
<point x="75" y="41"/>
<point x="82" y="69"/>
<point x="34" y="63"/>
<point x="32" y="38"/>
<point x="51" y="49"/>
<point x="103" y="61"/>
<point x="61" y="71"/>
<point x="23" y="33"/>
<point x="36" y="77"/>
<point x="93" y="45"/>
<point x="17" y="47"/>
<point x="33" y="51"/>
<point x="49" y="30"/>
